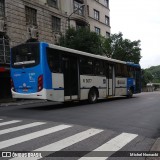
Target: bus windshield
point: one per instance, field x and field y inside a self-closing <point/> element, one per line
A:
<point x="25" y="55"/>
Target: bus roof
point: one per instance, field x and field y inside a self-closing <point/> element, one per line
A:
<point x="133" y="64"/>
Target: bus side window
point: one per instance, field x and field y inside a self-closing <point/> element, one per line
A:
<point x="98" y="68"/>
<point x="106" y="69"/>
<point x="86" y="66"/>
<point x="131" y="72"/>
<point x="54" y="62"/>
<point x="110" y="72"/>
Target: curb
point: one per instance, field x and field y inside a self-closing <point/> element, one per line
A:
<point x="155" y="148"/>
<point x="19" y="103"/>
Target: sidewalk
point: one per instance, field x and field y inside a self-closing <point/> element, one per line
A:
<point x="155" y="148"/>
<point x="14" y="102"/>
<point x="7" y="100"/>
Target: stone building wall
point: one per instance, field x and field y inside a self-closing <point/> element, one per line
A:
<point x="17" y="29"/>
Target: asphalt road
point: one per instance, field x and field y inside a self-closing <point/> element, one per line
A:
<point x="82" y="129"/>
<point x="139" y="115"/>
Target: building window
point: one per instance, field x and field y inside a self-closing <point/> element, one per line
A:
<point x="56" y="24"/>
<point x="4" y="50"/>
<point x="107" y="20"/>
<point x="106" y="3"/>
<point x="96" y="14"/>
<point x="107" y="34"/>
<point x="2" y="11"/>
<point x="97" y="30"/>
<point x="31" y="16"/>
<point x="52" y="3"/>
<point x="88" y="10"/>
<point x="78" y="7"/>
<point x="80" y="25"/>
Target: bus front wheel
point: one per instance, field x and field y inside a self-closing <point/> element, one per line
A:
<point x="92" y="96"/>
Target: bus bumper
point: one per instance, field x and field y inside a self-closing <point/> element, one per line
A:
<point x="36" y="95"/>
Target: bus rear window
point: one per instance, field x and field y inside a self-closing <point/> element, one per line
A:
<point x="25" y="55"/>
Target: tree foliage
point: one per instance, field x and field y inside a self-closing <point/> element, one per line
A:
<point x="114" y="47"/>
<point x="123" y="49"/>
<point x="82" y="39"/>
<point x="151" y="75"/>
<point x="147" y="77"/>
<point x="155" y="72"/>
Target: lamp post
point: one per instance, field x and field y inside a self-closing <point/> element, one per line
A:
<point x="73" y="13"/>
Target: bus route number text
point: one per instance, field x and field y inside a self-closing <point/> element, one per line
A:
<point x="87" y="80"/>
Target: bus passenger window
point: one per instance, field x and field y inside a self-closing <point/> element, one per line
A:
<point x="54" y="62"/>
<point x="131" y="72"/>
<point x="110" y="72"/>
<point x="86" y="66"/>
<point x="99" y="68"/>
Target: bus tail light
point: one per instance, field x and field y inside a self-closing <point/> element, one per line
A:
<point x="40" y="83"/>
<point x="12" y="85"/>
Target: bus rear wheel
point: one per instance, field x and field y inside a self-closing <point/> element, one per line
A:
<point x="130" y="93"/>
<point x="92" y="96"/>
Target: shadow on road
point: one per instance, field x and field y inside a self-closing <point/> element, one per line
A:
<point x="56" y="106"/>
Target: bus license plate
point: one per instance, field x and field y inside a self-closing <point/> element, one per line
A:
<point x="25" y="90"/>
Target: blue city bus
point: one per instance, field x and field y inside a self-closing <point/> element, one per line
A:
<point x="45" y="71"/>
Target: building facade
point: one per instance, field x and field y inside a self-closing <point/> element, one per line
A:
<point x="99" y="16"/>
<point x="45" y="20"/>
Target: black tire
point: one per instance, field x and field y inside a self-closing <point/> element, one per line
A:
<point x="92" y="96"/>
<point x="130" y="93"/>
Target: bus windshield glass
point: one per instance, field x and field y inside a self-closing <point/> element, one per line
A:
<point x="25" y="55"/>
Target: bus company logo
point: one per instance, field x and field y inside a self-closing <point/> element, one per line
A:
<point x="24" y="85"/>
<point x="6" y="154"/>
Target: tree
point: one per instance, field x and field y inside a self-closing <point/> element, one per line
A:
<point x="82" y="39"/>
<point x="147" y="77"/>
<point x="155" y="72"/>
<point x="123" y="49"/>
<point x="115" y="47"/>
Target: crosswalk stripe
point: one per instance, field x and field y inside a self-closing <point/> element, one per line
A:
<point x="59" y="145"/>
<point x="1" y="119"/>
<point x="56" y="146"/>
<point x="21" y="127"/>
<point x="27" y="137"/>
<point x="113" y="145"/>
<point x="9" y="122"/>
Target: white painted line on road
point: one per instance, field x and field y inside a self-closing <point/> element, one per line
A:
<point x="56" y="146"/>
<point x="1" y="119"/>
<point x="59" y="145"/>
<point x="27" y="137"/>
<point x="9" y="122"/>
<point x="113" y="145"/>
<point x="21" y="127"/>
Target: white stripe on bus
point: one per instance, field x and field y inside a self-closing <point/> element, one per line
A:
<point x="21" y="127"/>
<point x="113" y="145"/>
<point x="27" y="137"/>
<point x="9" y="122"/>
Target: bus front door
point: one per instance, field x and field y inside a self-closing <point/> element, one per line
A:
<point x="70" y="71"/>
